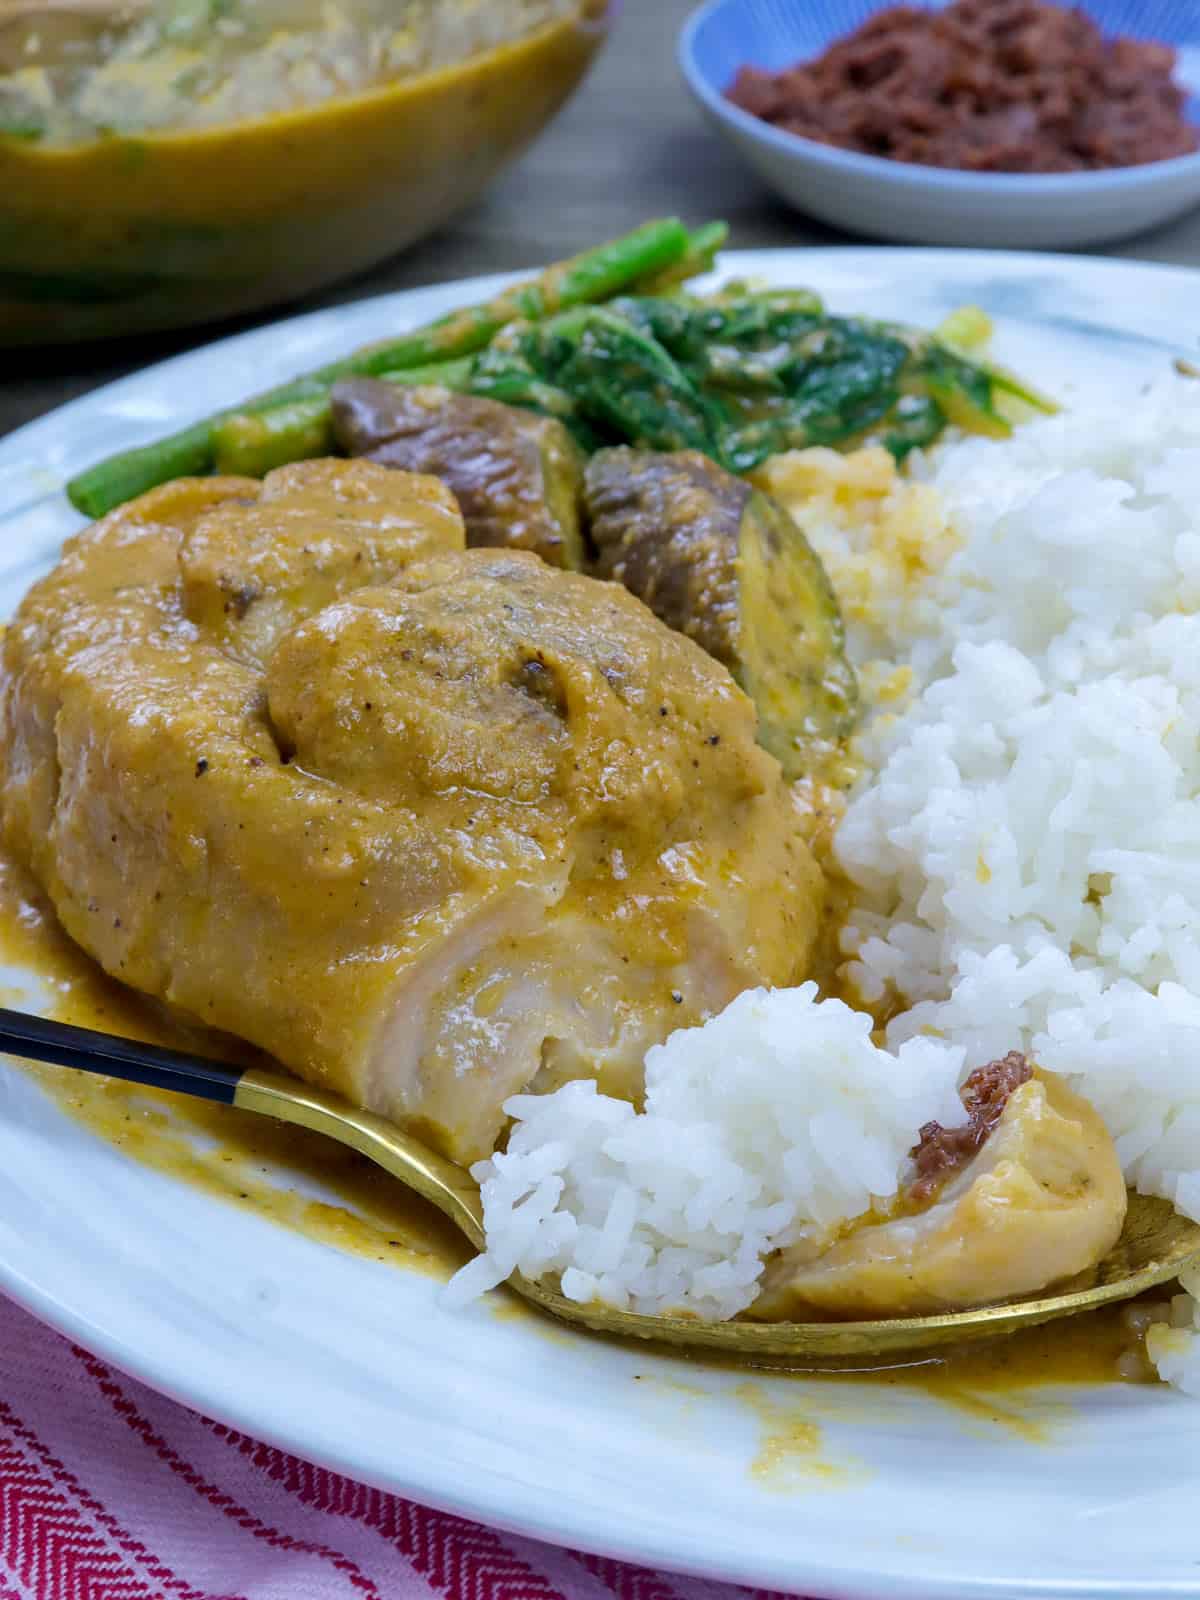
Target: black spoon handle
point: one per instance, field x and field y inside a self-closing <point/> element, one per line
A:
<point x="39" y="1039"/>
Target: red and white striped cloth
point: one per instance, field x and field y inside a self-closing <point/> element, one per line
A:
<point x="110" y="1492"/>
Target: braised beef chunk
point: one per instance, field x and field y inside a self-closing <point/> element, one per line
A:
<point x="517" y="476"/>
<point x="985" y="1094"/>
<point x="408" y="820"/>
<point x="983" y="85"/>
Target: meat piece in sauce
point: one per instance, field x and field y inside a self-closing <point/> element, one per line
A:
<point x="725" y="564"/>
<point x="1025" y="1195"/>
<point x="263" y="556"/>
<point x="431" y="825"/>
<point x="517" y="476"/>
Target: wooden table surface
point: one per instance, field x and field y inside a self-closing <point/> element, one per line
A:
<point x="631" y="145"/>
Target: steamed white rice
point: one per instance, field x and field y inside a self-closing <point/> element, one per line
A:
<point x="1027" y="853"/>
<point x="1025" y="857"/>
<point x="777" y="1116"/>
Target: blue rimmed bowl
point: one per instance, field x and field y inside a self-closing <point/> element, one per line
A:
<point x="930" y="205"/>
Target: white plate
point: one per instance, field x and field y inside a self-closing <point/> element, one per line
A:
<point x="356" y="1367"/>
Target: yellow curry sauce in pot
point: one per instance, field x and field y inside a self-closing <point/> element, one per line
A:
<point x="134" y="227"/>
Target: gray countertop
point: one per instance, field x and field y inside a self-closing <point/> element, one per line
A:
<point x="630" y="146"/>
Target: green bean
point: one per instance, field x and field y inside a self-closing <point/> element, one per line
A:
<point x="187" y="454"/>
<point x="249" y="445"/>
<point x="595" y="275"/>
<point x="700" y="256"/>
<point x="442" y="374"/>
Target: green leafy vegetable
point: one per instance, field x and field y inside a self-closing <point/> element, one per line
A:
<point x="593" y="276"/>
<point x="612" y="346"/>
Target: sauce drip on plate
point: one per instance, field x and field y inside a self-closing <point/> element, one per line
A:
<point x="301" y="1180"/>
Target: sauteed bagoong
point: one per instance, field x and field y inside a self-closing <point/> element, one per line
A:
<point x="466" y="721"/>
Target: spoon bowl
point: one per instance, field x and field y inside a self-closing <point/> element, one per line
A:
<point x="1155" y="1243"/>
<point x="1154" y="1247"/>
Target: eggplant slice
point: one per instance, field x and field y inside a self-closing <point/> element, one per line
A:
<point x="517" y="476"/>
<point x="725" y="564"/>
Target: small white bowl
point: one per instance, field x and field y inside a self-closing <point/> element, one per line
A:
<point x="929" y="205"/>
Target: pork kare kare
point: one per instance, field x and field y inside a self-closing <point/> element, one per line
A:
<point x="430" y="825"/>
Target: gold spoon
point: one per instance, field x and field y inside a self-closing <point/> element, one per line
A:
<point x="1154" y="1246"/>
